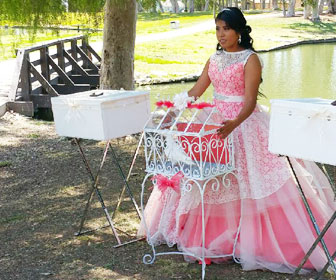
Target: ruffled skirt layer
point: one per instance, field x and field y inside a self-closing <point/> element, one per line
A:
<point x="260" y="220"/>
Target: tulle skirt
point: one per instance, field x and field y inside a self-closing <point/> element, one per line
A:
<point x="259" y="220"/>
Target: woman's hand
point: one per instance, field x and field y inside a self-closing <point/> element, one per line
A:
<point x="227" y="128"/>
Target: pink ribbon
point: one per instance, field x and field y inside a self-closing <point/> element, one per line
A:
<point x="190" y="105"/>
<point x="164" y="183"/>
<point x="199" y="105"/>
<point x="168" y="104"/>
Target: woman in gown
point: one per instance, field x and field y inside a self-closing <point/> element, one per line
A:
<point x="259" y="220"/>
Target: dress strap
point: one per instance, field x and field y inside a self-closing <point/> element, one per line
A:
<point x="228" y="98"/>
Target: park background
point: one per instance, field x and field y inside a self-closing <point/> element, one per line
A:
<point x="43" y="185"/>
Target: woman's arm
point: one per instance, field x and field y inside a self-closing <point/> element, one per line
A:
<point x="202" y="83"/>
<point x="252" y="74"/>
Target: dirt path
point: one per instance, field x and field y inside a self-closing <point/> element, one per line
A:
<point x="43" y="189"/>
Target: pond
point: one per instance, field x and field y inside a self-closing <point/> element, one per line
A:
<point x="299" y="72"/>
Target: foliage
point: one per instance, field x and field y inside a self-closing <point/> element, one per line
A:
<point x="148" y="4"/>
<point x="31" y="12"/>
<point x="86" y="6"/>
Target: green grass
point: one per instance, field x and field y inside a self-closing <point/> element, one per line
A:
<point x="185" y="55"/>
<point x="155" y="23"/>
<point x="147" y="23"/>
<point x="191" y="52"/>
<point x="33" y="135"/>
<point x="12" y="219"/>
<point x="270" y="33"/>
<point x="12" y="39"/>
<point x="5" y="163"/>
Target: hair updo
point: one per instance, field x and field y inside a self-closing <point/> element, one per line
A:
<point x="235" y="19"/>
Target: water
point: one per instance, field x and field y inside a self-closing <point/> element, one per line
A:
<point x="301" y="72"/>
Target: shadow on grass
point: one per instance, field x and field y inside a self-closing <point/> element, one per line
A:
<point x="42" y="198"/>
<point x="161" y="16"/>
<point x="315" y="27"/>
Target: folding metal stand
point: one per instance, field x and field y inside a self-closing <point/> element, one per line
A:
<point x="320" y="233"/>
<point x="94" y="188"/>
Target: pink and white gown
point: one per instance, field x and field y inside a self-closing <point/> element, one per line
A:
<point x="260" y="219"/>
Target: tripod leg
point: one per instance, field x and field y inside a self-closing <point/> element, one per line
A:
<point x="127" y="178"/>
<point x="100" y="198"/>
<point x="325" y="268"/>
<point x="125" y="181"/>
<point x="91" y="191"/>
<point x="310" y="213"/>
<point x="96" y="190"/>
<point x="323" y="232"/>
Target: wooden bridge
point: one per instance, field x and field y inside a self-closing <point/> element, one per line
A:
<point x="57" y="67"/>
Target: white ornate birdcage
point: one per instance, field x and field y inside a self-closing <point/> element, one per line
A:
<point x="186" y="141"/>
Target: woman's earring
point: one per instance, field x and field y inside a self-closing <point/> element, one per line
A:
<point x="239" y="39"/>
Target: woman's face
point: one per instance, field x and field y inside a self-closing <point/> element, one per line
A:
<point x="227" y="37"/>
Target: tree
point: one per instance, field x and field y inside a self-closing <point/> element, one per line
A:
<point x="284" y="7"/>
<point x="175" y="6"/>
<point x="206" y="5"/>
<point x="191" y="6"/>
<point x="291" y="8"/>
<point x="307" y="10"/>
<point x="321" y="5"/>
<point x="31" y="12"/>
<point x="275" y="4"/>
<point x="315" y="9"/>
<point x="117" y="68"/>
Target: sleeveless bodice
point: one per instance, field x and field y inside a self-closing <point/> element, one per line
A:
<point x="226" y="72"/>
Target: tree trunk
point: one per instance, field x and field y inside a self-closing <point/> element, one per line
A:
<point x="236" y="3"/>
<point x="263" y="4"/>
<point x="321" y="5"/>
<point x="206" y="6"/>
<point x="185" y="2"/>
<point x="284" y="8"/>
<point x="253" y="5"/>
<point x="315" y="12"/>
<point x="175" y="6"/>
<point x="291" y="8"/>
<point x="275" y="4"/>
<point x="153" y="10"/>
<point x="191" y="6"/>
<point x="139" y="7"/>
<point x="117" y="68"/>
<point x="306" y="11"/>
<point x="214" y="10"/>
<point x="330" y="9"/>
<point x="160" y="6"/>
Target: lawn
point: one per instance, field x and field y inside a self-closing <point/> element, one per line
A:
<point x="179" y="56"/>
<point x="43" y="190"/>
<point x="189" y="53"/>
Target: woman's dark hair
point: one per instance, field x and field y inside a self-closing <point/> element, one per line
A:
<point x="235" y="19"/>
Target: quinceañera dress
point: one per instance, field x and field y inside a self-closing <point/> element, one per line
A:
<point x="259" y="220"/>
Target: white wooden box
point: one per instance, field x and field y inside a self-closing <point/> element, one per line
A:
<point x="110" y="114"/>
<point x="304" y="128"/>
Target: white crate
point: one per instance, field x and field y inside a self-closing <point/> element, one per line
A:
<point x="304" y="128"/>
<point x="113" y="114"/>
